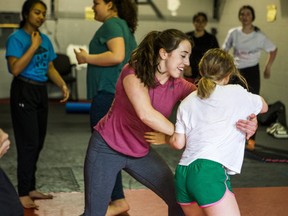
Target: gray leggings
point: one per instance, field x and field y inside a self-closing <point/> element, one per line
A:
<point x="102" y="165"/>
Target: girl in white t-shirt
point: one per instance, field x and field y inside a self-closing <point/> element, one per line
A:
<point x="214" y="147"/>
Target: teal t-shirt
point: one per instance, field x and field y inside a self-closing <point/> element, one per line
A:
<point x="100" y="78"/>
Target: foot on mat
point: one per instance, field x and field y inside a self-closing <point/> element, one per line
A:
<point x="38" y="195"/>
<point x="28" y="203"/>
<point x="118" y="207"/>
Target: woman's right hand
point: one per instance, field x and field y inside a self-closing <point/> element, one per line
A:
<point x="36" y="39"/>
<point x="248" y="126"/>
<point x="81" y="55"/>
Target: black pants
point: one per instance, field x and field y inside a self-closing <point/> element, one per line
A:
<point x="252" y="76"/>
<point x="9" y="201"/>
<point x="276" y="113"/>
<point x="29" y="111"/>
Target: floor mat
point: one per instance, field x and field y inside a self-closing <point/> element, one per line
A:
<point x="252" y="202"/>
<point x="55" y="178"/>
<point x="267" y="156"/>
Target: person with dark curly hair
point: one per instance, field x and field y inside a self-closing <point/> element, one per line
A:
<point x="109" y="50"/>
<point x="147" y="90"/>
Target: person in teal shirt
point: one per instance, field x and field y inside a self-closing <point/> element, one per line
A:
<point x="109" y="50"/>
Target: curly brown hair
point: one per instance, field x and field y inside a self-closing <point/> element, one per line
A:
<point x="127" y="10"/>
<point x="145" y="58"/>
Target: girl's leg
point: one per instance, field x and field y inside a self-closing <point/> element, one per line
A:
<point x="100" y="105"/>
<point x="25" y="126"/>
<point x="42" y="118"/>
<point x="25" y="98"/>
<point x="192" y="210"/>
<point x="227" y="207"/>
<point x="209" y="185"/>
<point x="153" y="172"/>
<point x="118" y="203"/>
<point x="101" y="167"/>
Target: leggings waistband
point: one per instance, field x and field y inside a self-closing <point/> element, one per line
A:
<point x="30" y="81"/>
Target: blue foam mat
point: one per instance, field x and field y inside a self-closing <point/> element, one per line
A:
<point x="78" y="107"/>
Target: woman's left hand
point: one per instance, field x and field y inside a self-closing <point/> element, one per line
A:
<point x="248" y="126"/>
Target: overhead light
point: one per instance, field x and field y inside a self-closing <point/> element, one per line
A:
<point x="173" y="6"/>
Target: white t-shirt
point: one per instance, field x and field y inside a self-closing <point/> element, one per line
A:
<point x="247" y="47"/>
<point x="210" y="125"/>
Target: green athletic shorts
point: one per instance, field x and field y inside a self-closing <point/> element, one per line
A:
<point x="203" y="181"/>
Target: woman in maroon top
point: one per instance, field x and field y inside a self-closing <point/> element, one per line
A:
<point x="146" y="92"/>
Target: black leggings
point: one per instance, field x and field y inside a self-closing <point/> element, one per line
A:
<point x="276" y="113"/>
<point x="29" y="111"/>
<point x="252" y="76"/>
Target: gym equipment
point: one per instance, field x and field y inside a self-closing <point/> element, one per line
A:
<point x="77" y="107"/>
<point x="268" y="155"/>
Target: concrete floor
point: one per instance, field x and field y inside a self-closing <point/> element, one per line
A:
<point x="60" y="167"/>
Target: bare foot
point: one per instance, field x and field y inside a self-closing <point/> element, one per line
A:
<point x="28" y="203"/>
<point x="38" y="195"/>
<point x="117" y="207"/>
